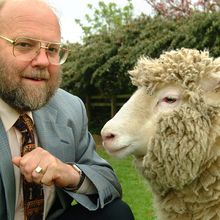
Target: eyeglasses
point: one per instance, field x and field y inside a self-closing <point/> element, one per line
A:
<point x="27" y="49"/>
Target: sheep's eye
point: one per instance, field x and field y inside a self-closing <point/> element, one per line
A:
<point x="169" y="99"/>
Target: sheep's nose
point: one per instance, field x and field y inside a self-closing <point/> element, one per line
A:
<point x="107" y="136"/>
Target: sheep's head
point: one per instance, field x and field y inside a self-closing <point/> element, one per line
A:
<point x="172" y="119"/>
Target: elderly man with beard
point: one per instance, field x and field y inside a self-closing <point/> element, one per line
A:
<point x="48" y="165"/>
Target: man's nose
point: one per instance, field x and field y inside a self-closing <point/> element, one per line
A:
<point x="41" y="58"/>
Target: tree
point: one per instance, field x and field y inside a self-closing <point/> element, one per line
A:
<point x="106" y="18"/>
<point x="182" y="8"/>
<point x="89" y="64"/>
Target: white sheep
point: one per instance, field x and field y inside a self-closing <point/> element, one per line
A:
<point x="171" y="124"/>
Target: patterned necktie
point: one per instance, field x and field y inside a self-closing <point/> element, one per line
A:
<point x="32" y="192"/>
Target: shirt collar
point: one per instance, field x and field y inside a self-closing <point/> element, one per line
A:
<point x="9" y="115"/>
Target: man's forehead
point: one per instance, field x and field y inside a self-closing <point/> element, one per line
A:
<point x="28" y="16"/>
<point x="24" y="6"/>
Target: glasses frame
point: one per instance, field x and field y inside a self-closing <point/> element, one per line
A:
<point x="41" y="46"/>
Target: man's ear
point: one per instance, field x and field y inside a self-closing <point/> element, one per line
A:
<point x="211" y="88"/>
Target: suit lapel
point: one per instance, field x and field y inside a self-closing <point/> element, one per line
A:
<point x="53" y="136"/>
<point x="7" y="173"/>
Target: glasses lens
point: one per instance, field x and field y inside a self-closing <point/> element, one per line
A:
<point x="63" y="54"/>
<point x="25" y="48"/>
<point x="57" y="54"/>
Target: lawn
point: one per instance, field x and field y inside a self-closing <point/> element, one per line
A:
<point x="135" y="189"/>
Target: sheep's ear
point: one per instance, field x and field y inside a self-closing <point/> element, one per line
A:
<point x="211" y="83"/>
<point x="211" y="88"/>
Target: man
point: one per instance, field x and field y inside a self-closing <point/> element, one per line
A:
<point x="57" y="156"/>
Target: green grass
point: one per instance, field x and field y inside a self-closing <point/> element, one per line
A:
<point x="135" y="189"/>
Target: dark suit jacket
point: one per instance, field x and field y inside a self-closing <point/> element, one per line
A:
<point x="61" y="127"/>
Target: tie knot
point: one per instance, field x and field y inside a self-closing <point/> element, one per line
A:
<point x="24" y="123"/>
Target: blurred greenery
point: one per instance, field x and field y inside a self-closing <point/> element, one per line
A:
<point x="135" y="190"/>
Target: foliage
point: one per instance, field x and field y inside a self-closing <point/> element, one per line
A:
<point x="183" y="8"/>
<point x="106" y="18"/>
<point x="98" y="56"/>
<point x="200" y="31"/>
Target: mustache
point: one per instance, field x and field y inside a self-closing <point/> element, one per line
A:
<point x="37" y="74"/>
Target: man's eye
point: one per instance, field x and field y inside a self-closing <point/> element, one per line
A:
<point x="24" y="45"/>
<point x="169" y="99"/>
<point x="53" y="50"/>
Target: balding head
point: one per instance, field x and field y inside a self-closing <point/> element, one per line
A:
<point x="20" y="11"/>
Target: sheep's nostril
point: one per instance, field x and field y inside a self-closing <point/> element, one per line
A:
<point x="108" y="137"/>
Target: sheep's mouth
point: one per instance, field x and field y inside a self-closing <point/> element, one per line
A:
<point x="122" y="151"/>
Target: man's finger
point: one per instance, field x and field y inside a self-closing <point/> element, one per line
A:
<point x="16" y="161"/>
<point x="47" y="178"/>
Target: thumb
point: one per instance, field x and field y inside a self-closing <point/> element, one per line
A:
<point x="16" y="161"/>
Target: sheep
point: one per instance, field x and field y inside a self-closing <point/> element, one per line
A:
<point x="171" y="124"/>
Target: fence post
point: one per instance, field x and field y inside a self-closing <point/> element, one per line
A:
<point x="113" y="106"/>
<point x="88" y="107"/>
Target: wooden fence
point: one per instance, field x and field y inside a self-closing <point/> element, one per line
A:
<point x="113" y="102"/>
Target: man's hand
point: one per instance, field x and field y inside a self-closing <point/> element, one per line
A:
<point x="53" y="170"/>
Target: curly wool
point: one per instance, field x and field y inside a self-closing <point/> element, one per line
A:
<point x="182" y="163"/>
<point x="180" y="148"/>
<point x="184" y="66"/>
